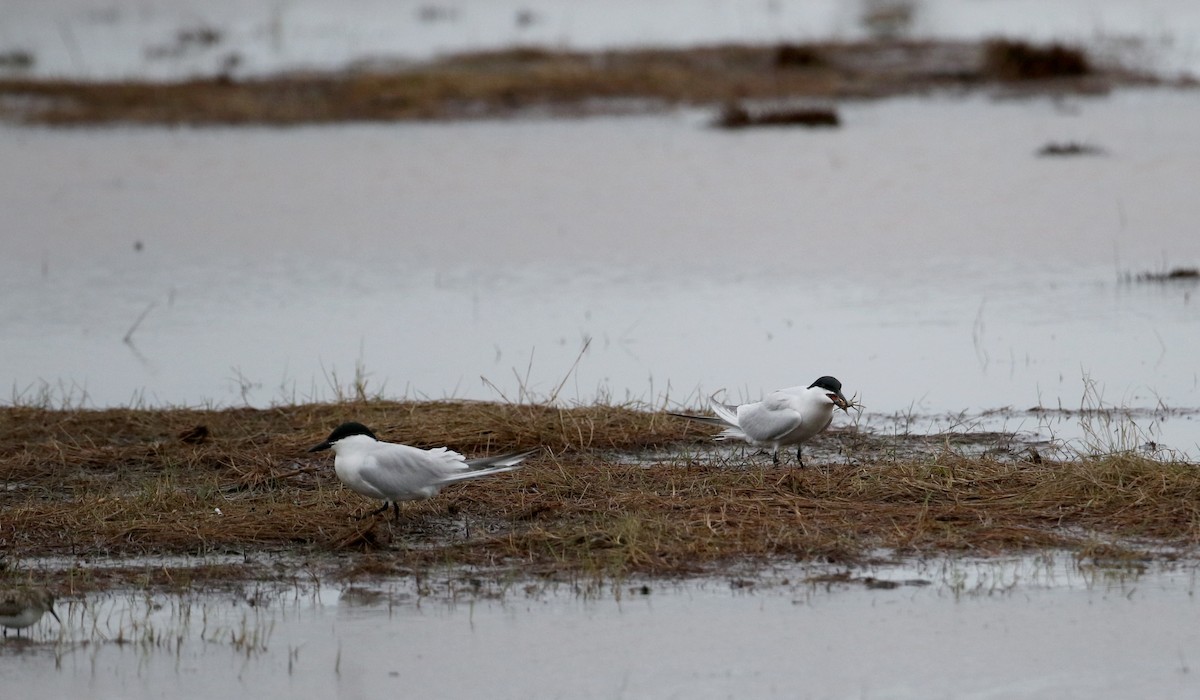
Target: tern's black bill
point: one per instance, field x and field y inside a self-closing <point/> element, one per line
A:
<point x="317" y="448"/>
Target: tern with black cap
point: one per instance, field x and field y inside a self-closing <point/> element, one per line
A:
<point x="392" y="472"/>
<point x="786" y="417"/>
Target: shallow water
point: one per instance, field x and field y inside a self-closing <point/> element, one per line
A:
<point x="1029" y="628"/>
<point x="94" y="39"/>
<point x="922" y="253"/>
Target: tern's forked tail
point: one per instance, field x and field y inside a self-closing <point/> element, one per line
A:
<point x="726" y="418"/>
<point x="497" y="464"/>
<point x="509" y="459"/>
<point x="711" y="420"/>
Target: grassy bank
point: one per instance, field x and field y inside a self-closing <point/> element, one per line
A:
<point x="95" y="484"/>
<point x="524" y="81"/>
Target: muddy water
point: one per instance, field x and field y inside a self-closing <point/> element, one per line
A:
<point x="1035" y="628"/>
<point x="923" y="254"/>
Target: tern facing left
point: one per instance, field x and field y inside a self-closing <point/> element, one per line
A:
<point x="391" y="472"/>
<point x="790" y="416"/>
<point x="20" y="609"/>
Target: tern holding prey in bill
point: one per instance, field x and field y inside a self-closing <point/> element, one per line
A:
<point x="785" y="417"/>
<point x="391" y="472"/>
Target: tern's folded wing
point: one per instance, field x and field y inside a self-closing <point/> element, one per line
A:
<point x="767" y="421"/>
<point x="402" y="472"/>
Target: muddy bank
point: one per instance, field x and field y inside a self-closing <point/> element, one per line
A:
<point x="520" y="82"/>
<point x="89" y="485"/>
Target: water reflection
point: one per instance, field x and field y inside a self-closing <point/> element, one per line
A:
<point x="1048" y="624"/>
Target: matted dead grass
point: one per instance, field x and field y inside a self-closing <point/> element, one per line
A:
<point x="146" y="482"/>
<point x="520" y="81"/>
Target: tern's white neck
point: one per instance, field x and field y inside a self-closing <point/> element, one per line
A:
<point x="354" y="443"/>
<point x="816" y="396"/>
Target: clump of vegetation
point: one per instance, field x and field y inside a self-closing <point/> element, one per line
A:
<point x="1010" y="60"/>
<point x="798" y="56"/>
<point x="151" y="482"/>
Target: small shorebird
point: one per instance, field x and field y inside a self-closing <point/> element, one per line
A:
<point x="391" y="472"/>
<point x="790" y="416"/>
<point x="22" y="608"/>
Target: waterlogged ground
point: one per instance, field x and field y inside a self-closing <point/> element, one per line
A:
<point x="1040" y="627"/>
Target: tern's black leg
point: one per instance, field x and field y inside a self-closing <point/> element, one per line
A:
<point x="775" y="457"/>
<point x="799" y="455"/>
<point x="395" y="511"/>
<point x="377" y="511"/>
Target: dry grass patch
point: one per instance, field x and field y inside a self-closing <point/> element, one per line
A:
<point x="517" y="81"/>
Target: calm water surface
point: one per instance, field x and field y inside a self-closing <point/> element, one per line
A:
<point x="923" y="254"/>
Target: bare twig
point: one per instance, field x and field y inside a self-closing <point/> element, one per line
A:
<point x="129" y="334"/>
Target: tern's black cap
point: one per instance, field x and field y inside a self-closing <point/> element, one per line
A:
<point x="827" y="383"/>
<point x="344" y="430"/>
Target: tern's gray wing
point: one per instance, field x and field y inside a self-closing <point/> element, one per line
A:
<point x="400" y="472"/>
<point x="769" y="420"/>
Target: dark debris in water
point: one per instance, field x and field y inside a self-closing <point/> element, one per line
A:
<point x="16" y="60"/>
<point x="1070" y="148"/>
<point x="737" y="116"/>
<point x="1175" y="274"/>
<point x="847" y="578"/>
